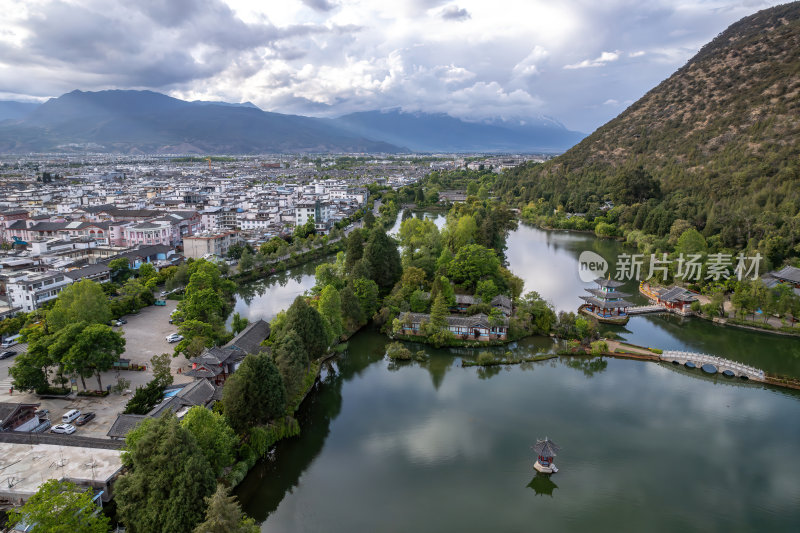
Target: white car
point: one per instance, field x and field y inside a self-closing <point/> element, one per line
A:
<point x="174" y="338"/>
<point x="67" y="429"/>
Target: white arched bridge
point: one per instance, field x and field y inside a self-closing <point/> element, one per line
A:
<point x="722" y="365"/>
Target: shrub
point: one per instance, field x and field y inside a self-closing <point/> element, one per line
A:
<point x="397" y="352"/>
<point x="486" y="358"/>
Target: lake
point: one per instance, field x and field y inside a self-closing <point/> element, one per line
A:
<point x="433" y="446"/>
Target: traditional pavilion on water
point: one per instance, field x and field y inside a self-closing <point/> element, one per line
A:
<point x="606" y="303"/>
<point x="545" y="451"/>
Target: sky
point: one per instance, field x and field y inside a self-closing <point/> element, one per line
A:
<point x="580" y="62"/>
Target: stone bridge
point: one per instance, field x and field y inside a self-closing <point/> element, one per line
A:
<point x="722" y="365"/>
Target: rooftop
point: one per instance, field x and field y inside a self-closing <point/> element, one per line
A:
<point x="24" y="467"/>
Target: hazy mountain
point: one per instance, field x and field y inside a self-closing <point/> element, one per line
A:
<point x="720" y="139"/>
<point x="145" y="121"/>
<point x="15" y="110"/>
<point x="442" y="133"/>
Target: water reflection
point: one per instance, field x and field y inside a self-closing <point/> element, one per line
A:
<point x="543" y="485"/>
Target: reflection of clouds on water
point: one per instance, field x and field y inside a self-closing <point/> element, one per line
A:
<point x="443" y="436"/>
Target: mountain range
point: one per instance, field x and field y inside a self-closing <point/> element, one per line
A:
<point x="125" y="121"/>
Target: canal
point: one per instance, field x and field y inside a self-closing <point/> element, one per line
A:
<point x="432" y="446"/>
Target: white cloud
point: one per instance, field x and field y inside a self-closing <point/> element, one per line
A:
<point x="611" y="101"/>
<point x="469" y="58"/>
<point x="600" y="61"/>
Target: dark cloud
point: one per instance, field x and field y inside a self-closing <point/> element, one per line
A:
<point x="453" y="12"/>
<point x="319" y="5"/>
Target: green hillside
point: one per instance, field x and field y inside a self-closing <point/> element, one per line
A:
<point x="716" y="145"/>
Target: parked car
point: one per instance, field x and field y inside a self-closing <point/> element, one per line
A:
<point x="122" y="321"/>
<point x="84" y="418"/>
<point x="174" y="338"/>
<point x="116" y="323"/>
<point x="11" y="341"/>
<point x="6" y="355"/>
<point x="67" y="429"/>
<point x="70" y="415"/>
<point x="42" y="413"/>
<point x="161" y="302"/>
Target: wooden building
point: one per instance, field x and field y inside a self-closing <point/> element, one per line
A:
<point x="606" y="303"/>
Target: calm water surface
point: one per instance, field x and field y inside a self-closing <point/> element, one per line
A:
<point x="436" y="447"/>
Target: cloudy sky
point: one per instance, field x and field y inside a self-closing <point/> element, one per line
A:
<point x="579" y="61"/>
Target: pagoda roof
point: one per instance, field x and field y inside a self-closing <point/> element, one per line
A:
<point x="603" y="304"/>
<point x="606" y="294"/>
<point x="546" y="448"/>
<point x="676" y="294"/>
<point x="608" y="282"/>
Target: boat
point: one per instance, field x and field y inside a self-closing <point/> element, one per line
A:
<point x="545" y="451"/>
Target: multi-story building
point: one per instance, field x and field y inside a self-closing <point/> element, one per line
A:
<point x="29" y="290"/>
<point x="205" y="244"/>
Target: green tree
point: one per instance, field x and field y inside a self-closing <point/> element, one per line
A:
<point x="224" y="515"/>
<point x="147" y="271"/>
<point x="473" y="263"/>
<point x="168" y="478"/>
<point x="160" y="366"/>
<point x="354" y="249"/>
<point x="246" y="261"/>
<point x="330" y="308"/>
<point x="83" y="301"/>
<point x="382" y="260"/>
<point x="691" y="241"/>
<point x="292" y="362"/>
<point x="60" y="507"/>
<point x="367" y="293"/>
<point x="96" y="349"/>
<point x="486" y="290"/>
<point x="238" y="323"/>
<point x="120" y="269"/>
<point x="254" y="394"/>
<point x="309" y="325"/>
<point x="213" y="435"/>
<point x="351" y="309"/>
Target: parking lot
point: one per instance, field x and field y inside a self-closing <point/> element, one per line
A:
<point x="145" y="335"/>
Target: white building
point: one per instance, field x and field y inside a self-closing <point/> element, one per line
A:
<point x="29" y="290"/>
<point x="198" y="246"/>
<point x="306" y="209"/>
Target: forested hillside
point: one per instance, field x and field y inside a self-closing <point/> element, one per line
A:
<point x="717" y="145"/>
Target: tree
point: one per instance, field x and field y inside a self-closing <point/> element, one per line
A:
<point x="145" y="398"/>
<point x="224" y="515"/>
<point x="147" y="271"/>
<point x="254" y="394"/>
<point x="486" y="290"/>
<point x="60" y="507"/>
<point x="691" y="241"/>
<point x="330" y="307"/>
<point x="238" y="323"/>
<point x="213" y="435"/>
<point x="419" y="301"/>
<point x="351" y="309"/>
<point x="439" y="313"/>
<point x="367" y="292"/>
<point x="83" y="301"/>
<point x="168" y="478"/>
<point x="354" y="250"/>
<point x="473" y="263"/>
<point x="60" y="346"/>
<point x="382" y="260"/>
<point x="309" y="325"/>
<point x="95" y="350"/>
<point x="246" y="260"/>
<point x="292" y="362"/>
<point x="120" y="269"/>
<point x="162" y="373"/>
